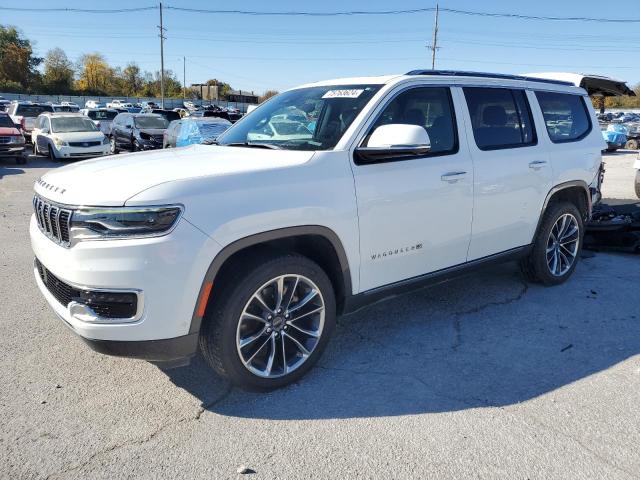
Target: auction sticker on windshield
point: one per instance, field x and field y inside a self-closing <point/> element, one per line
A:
<point x="352" y="93"/>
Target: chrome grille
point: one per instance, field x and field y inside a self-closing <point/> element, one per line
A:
<point x="53" y="220"/>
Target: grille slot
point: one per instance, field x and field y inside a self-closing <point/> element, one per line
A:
<point x="53" y="220"/>
<point x="105" y="304"/>
<point x="84" y="144"/>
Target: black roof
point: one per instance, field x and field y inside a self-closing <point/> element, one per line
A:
<point x="502" y="76"/>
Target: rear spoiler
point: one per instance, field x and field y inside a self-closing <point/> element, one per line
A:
<point x="597" y="85"/>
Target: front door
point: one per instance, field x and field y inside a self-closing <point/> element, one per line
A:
<point x="415" y="215"/>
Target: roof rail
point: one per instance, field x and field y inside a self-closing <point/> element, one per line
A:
<point x="503" y="76"/>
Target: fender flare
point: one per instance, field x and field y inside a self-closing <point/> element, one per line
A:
<point x="558" y="188"/>
<point x="256" y="239"/>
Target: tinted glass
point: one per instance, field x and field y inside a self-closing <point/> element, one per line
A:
<point x="32" y="110"/>
<point x="151" y="122"/>
<point x="313" y="118"/>
<point x="6" y="122"/>
<point x="101" y="115"/>
<point x="565" y="115"/>
<point x="428" y="107"/>
<point x="500" y="117"/>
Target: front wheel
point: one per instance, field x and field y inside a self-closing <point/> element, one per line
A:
<point x="557" y="245"/>
<point x="269" y="323"/>
<point x="112" y="145"/>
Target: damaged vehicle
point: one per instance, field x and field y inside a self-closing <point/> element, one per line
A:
<point x="616" y="136"/>
<point x="249" y="248"/>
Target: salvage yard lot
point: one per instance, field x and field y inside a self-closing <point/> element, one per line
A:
<point x="484" y="377"/>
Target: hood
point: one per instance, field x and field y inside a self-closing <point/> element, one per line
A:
<point x="9" y="131"/>
<point x="110" y="181"/>
<point x="79" y="136"/>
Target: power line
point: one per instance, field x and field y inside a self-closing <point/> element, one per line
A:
<point x="302" y="13"/>
<point x="78" y="10"/>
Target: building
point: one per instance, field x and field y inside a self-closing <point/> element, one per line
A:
<point x="240" y="96"/>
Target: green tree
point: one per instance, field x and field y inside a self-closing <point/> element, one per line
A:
<point x="17" y="62"/>
<point x="132" y="79"/>
<point x="267" y="95"/>
<point x="58" y="72"/>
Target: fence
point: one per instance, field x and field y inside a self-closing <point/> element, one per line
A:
<point x="80" y="100"/>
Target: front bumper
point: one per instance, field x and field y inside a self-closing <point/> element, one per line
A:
<point x="11" y="151"/>
<point x="168" y="271"/>
<point x="149" y="144"/>
<point x="82" y="152"/>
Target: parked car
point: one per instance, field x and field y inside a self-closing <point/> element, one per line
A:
<point x="150" y="105"/>
<point x="119" y="104"/>
<point x="250" y="249"/>
<point x="137" y="131"/>
<point x="70" y="104"/>
<point x="94" y="104"/>
<point x="190" y="131"/>
<point x="66" y="136"/>
<point x="65" y="108"/>
<point x="4" y="105"/>
<point x="102" y="117"/>
<point x="11" y="140"/>
<point x="25" y="113"/>
<point x="170" y="115"/>
<point x="615" y="136"/>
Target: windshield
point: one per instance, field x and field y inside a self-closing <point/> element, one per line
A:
<point x="210" y="130"/>
<point x="32" y="110"/>
<point x="311" y="118"/>
<point x="65" y="108"/>
<point x="101" y="115"/>
<point x="72" y="124"/>
<point x="6" y="122"/>
<point x="151" y="122"/>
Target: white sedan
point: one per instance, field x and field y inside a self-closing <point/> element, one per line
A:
<point x="68" y="136"/>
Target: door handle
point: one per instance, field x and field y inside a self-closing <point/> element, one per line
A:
<point x="453" y="177"/>
<point x="537" y="164"/>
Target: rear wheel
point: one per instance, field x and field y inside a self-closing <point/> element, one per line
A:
<point x="270" y="322"/>
<point x="631" y="144"/>
<point x="557" y="245"/>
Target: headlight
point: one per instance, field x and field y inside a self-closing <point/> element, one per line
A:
<point x="105" y="141"/>
<point x="16" y="139"/>
<point x="59" y="142"/>
<point x="123" y="222"/>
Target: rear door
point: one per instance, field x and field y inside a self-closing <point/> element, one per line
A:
<point x="415" y="214"/>
<point x="512" y="169"/>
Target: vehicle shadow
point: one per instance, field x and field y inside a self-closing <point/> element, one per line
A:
<point x="6" y="170"/>
<point x="485" y="340"/>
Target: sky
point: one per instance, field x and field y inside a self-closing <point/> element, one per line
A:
<point x="257" y="53"/>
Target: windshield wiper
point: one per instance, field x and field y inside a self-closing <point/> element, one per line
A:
<point x="252" y="145"/>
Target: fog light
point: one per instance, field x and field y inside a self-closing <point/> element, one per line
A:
<point x="104" y="306"/>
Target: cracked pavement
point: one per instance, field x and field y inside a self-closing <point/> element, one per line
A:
<point x="483" y="377"/>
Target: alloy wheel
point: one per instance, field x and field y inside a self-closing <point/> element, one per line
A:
<point x="280" y="326"/>
<point x="562" y="245"/>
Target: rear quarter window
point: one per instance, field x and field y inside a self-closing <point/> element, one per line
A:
<point x="565" y="116"/>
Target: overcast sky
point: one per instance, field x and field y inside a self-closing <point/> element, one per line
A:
<point x="257" y="52"/>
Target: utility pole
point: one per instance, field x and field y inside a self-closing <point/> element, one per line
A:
<point x="162" y="37"/>
<point x="184" y="78"/>
<point x="434" y="46"/>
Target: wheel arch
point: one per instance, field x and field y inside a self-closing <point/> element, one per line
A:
<point x="319" y="243"/>
<point x="576" y="192"/>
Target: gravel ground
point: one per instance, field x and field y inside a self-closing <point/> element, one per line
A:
<point x="484" y="377"/>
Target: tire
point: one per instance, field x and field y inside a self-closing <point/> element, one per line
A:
<point x="35" y="149"/>
<point x="112" y="145"/>
<point x="136" y="146"/>
<point x="225" y="322"/>
<point x="637" y="183"/>
<point x="21" y="160"/>
<point x="52" y="153"/>
<point x="537" y="267"/>
<point x="631" y="144"/>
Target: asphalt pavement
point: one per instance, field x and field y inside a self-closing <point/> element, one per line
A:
<point x="483" y="377"/>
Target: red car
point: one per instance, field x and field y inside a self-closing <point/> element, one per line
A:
<point x="11" y="140"/>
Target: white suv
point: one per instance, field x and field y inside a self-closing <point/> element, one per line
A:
<point x="250" y="249"/>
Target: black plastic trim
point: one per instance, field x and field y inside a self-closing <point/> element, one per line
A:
<point x="176" y="350"/>
<point x="361" y="300"/>
<point x="259" y="238"/>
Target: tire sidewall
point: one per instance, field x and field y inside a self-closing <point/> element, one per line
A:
<point x="229" y="316"/>
<point x="540" y="247"/>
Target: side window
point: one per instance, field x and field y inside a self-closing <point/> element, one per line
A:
<point x="500" y="118"/>
<point x="565" y="115"/>
<point x="427" y="107"/>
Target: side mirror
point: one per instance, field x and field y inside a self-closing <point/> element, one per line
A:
<point x="394" y="142"/>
